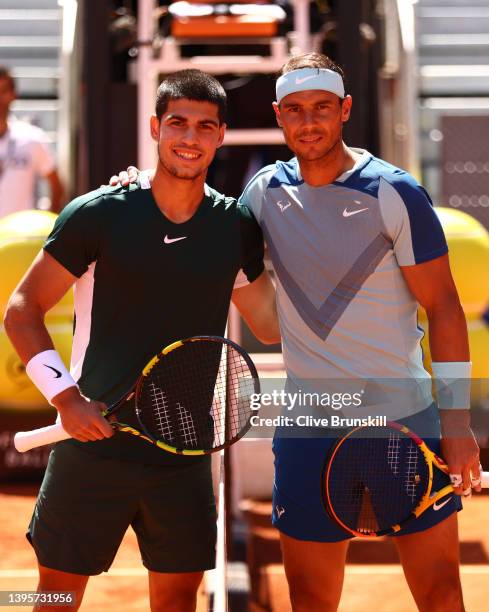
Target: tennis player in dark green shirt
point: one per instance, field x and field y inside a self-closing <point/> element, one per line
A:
<point x="150" y="264"/>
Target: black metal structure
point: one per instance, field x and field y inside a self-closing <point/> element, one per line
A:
<point x="110" y="106"/>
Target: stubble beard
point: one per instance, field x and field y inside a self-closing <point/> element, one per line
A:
<point x="185" y="175"/>
<point x="323" y="155"/>
<point x="182" y="175"/>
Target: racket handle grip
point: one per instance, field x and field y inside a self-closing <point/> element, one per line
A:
<point x="26" y="440"/>
<point x="485" y="480"/>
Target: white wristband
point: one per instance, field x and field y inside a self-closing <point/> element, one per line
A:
<point x="452" y="384"/>
<point x="48" y="372"/>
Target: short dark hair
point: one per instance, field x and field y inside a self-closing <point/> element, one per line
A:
<point x="311" y="60"/>
<point x="7" y="75"/>
<point x="192" y="85"/>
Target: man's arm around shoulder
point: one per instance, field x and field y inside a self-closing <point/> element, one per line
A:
<point x="256" y="304"/>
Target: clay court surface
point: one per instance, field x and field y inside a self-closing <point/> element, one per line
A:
<point x="373" y="580"/>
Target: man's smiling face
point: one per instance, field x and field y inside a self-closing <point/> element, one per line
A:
<point x="188" y="135"/>
<point x="312" y="122"/>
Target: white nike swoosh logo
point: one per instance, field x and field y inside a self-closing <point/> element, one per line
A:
<point x="299" y="81"/>
<point x="437" y="506"/>
<point x="349" y="213"/>
<point x="170" y="240"/>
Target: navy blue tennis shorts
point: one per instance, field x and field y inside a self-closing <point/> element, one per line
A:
<point x="298" y="508"/>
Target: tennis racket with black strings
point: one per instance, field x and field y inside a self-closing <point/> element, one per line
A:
<point x="379" y="479"/>
<point x="192" y="398"/>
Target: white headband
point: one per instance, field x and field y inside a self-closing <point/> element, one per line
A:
<point x="306" y="79"/>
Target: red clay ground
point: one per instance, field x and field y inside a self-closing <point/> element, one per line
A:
<point x="369" y="581"/>
<point x="124" y="589"/>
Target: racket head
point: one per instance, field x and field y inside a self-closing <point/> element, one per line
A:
<point x="377" y="479"/>
<point x="195" y="396"/>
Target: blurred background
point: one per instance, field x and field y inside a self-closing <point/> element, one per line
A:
<point x="85" y="75"/>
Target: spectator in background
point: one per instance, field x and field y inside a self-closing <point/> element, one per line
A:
<point x="24" y="156"/>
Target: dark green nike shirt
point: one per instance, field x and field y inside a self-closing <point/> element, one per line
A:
<point x="144" y="282"/>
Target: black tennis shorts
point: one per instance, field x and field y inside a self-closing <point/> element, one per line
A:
<point x="86" y="503"/>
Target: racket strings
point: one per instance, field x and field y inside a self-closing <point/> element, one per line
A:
<point x="160" y="410"/>
<point x="393" y="452"/>
<point x="367" y="513"/>
<point x="231" y="406"/>
<point x="375" y="479"/>
<point x="187" y="427"/>
<point x="412" y="478"/>
<point x="197" y="397"/>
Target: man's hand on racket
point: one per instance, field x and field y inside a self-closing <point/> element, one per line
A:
<point x="194" y="397"/>
<point x="460" y="450"/>
<point x="82" y="418"/>
<point x="125" y="177"/>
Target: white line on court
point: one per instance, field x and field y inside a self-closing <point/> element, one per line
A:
<point x="386" y="569"/>
<point x="355" y="570"/>
<point x="397" y="569"/>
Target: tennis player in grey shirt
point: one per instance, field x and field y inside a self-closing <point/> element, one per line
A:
<point x="356" y="246"/>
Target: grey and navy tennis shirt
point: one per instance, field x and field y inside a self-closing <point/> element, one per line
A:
<point x="345" y="310"/>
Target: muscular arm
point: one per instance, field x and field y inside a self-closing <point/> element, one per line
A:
<point x="432" y="285"/>
<point x="256" y="304"/>
<point x="43" y="285"/>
